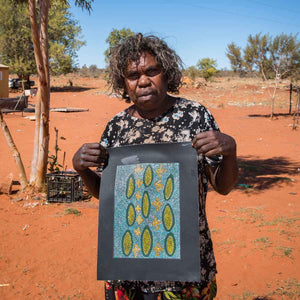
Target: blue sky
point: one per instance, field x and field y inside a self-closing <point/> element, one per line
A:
<point x="193" y="28"/>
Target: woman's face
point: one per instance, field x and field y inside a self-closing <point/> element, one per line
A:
<point x="146" y="85"/>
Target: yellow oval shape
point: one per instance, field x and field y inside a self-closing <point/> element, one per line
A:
<point x="146" y="241"/>
<point x="170" y="245"/>
<point x="168" y="217"/>
<point x="127" y="243"/>
<point x="169" y="187"/>
<point x="148" y="176"/>
<point x="146" y="205"/>
<point x="130" y="214"/>
<point x="130" y="186"/>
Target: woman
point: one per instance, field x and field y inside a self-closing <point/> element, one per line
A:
<point x="144" y="70"/>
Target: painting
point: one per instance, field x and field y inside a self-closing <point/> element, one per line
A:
<point x="148" y="214"/>
<point x="147" y="211"/>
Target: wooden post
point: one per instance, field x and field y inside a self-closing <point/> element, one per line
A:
<point x="291" y="92"/>
<point x="15" y="152"/>
<point x="296" y="113"/>
<point x="298" y="106"/>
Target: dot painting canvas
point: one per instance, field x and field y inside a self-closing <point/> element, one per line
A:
<point x="148" y="214"/>
<point x="147" y="211"/>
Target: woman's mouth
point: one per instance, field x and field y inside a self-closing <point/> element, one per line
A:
<point x="146" y="96"/>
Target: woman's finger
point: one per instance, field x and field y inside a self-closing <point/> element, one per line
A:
<point x="208" y="147"/>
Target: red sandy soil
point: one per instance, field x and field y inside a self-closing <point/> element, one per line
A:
<point x="46" y="253"/>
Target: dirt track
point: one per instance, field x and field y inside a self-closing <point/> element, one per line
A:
<point x="46" y="253"/>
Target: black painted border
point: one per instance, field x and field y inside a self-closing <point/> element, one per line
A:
<point x="185" y="269"/>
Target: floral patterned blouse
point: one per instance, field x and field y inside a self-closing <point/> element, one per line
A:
<point x="179" y="124"/>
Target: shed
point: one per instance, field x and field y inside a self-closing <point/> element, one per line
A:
<point x="4" y="75"/>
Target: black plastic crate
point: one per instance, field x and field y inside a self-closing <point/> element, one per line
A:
<point x="63" y="187"/>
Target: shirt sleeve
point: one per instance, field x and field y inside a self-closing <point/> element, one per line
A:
<point x="105" y="138"/>
<point x="210" y="124"/>
<point x="105" y="142"/>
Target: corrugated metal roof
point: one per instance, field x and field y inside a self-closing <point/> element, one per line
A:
<point x="3" y="66"/>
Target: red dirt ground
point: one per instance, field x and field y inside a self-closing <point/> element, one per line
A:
<point x="46" y="253"/>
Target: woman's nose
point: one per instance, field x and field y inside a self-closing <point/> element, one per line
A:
<point x="143" y="80"/>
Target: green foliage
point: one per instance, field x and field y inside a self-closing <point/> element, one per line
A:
<point x="115" y="37"/>
<point x="91" y="71"/>
<point x="255" y="54"/>
<point x="84" y="71"/>
<point x="289" y="288"/>
<point x="84" y="4"/>
<point x="64" y="33"/>
<point x="72" y="211"/>
<point x="207" y="67"/>
<point x="273" y="57"/>
<point x="192" y="72"/>
<point x="94" y="71"/>
<point x="233" y="52"/>
<point x="287" y="251"/>
<point x="16" y="48"/>
<point x="53" y="165"/>
<point x="285" y="55"/>
<point x="60" y="62"/>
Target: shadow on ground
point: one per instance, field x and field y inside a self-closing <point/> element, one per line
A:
<point x="256" y="175"/>
<point x="75" y="89"/>
<point x="285" y="115"/>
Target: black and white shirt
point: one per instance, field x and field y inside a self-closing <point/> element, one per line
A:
<point x="181" y="123"/>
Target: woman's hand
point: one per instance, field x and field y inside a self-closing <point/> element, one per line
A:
<point x="212" y="143"/>
<point x="89" y="155"/>
<point x="209" y="143"/>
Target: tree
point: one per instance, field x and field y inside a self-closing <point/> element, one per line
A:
<point x="192" y="72"/>
<point x="233" y="52"/>
<point x="255" y="54"/>
<point x="39" y="21"/>
<point x="207" y="67"/>
<point x="273" y="57"/>
<point x="64" y="38"/>
<point x="84" y="71"/>
<point x="39" y="30"/>
<point x="285" y="55"/>
<point x="285" y="59"/>
<point x="16" y="46"/>
<point x="115" y="37"/>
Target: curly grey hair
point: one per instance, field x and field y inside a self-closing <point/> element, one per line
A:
<point x="130" y="50"/>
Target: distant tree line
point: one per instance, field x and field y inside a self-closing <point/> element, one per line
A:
<point x="274" y="58"/>
<point x="91" y="71"/>
<point x="264" y="56"/>
<point x="271" y="57"/>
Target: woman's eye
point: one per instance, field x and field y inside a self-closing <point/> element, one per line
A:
<point x="132" y="76"/>
<point x="153" y="72"/>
